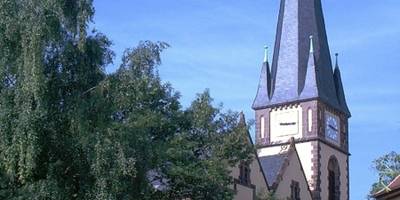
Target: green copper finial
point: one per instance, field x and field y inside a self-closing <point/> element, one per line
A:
<point x="311" y="44"/>
<point x="265" y="53"/>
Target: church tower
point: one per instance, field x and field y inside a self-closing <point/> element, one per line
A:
<point x="301" y="96"/>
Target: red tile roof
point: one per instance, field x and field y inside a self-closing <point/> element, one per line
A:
<point x="395" y="183"/>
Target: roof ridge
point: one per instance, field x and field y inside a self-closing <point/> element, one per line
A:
<point x="395" y="181"/>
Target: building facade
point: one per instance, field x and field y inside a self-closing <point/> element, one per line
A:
<point x="300" y="107"/>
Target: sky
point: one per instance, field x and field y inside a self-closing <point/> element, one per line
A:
<point x="218" y="44"/>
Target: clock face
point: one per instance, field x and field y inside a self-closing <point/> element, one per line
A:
<point x="332" y="127"/>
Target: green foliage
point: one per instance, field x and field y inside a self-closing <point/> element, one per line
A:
<point x="388" y="168"/>
<point x="266" y="195"/>
<point x="139" y="114"/>
<point x="199" y="157"/>
<point x="47" y="61"/>
<point x="68" y="130"/>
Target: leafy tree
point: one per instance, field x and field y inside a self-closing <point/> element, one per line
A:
<point x="68" y="130"/>
<point x="140" y="114"/>
<point x="388" y="168"/>
<point x="199" y="158"/>
<point x="47" y="61"/>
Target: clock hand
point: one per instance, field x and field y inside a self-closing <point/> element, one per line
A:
<point x="332" y="127"/>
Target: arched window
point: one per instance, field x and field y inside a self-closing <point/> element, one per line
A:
<point x="310" y="119"/>
<point x="244" y="174"/>
<point x="262" y="127"/>
<point x="333" y="179"/>
<point x="295" y="191"/>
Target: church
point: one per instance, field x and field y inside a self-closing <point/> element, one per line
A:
<point x="301" y="115"/>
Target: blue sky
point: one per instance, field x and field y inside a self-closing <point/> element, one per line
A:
<point x="218" y="44"/>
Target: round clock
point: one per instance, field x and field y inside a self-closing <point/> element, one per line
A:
<point x="332" y="128"/>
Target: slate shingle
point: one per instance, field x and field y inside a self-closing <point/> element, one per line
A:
<point x="298" y="20"/>
<point x="272" y="165"/>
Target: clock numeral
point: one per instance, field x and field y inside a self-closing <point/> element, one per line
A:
<point x="332" y="128"/>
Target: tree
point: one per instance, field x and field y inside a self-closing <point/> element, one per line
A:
<point x="68" y="130"/>
<point x="47" y="62"/>
<point x="145" y="114"/>
<point x="200" y="156"/>
<point x="388" y="168"/>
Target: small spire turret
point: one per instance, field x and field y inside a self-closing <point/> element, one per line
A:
<point x="339" y="88"/>
<point x="264" y="87"/>
<point x="310" y="88"/>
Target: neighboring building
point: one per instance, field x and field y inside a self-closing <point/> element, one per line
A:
<point x="249" y="178"/>
<point x="392" y="192"/>
<point x="300" y="96"/>
<point x="285" y="173"/>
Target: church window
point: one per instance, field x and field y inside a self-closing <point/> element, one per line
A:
<point x="262" y="128"/>
<point x="244" y="176"/>
<point x="333" y="179"/>
<point x="344" y="127"/>
<point x="310" y="120"/>
<point x="295" y="191"/>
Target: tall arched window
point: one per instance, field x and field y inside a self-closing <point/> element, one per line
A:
<point x="262" y="126"/>
<point x="333" y="179"/>
<point x="310" y="119"/>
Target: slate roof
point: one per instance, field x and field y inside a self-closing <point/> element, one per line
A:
<point x="339" y="89"/>
<point x="272" y="165"/>
<point x="298" y="20"/>
<point x="310" y="89"/>
<point x="264" y="86"/>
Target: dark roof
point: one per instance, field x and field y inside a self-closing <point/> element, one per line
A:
<point x="339" y="90"/>
<point x="298" y="20"/>
<point x="272" y="165"/>
<point x="262" y="97"/>
<point x="310" y="89"/>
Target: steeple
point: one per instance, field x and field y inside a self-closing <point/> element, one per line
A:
<point x="339" y="88"/>
<point x="310" y="89"/>
<point x="298" y="19"/>
<point x="264" y="86"/>
<point x="302" y="98"/>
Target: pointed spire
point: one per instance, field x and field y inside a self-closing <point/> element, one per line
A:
<point x="298" y="19"/>
<point x="265" y="53"/>
<point x="339" y="88"/>
<point x="264" y="86"/>
<point x="310" y="88"/>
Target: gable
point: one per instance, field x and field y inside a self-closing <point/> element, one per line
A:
<point x="283" y="169"/>
<point x="292" y="171"/>
<point x="257" y="181"/>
